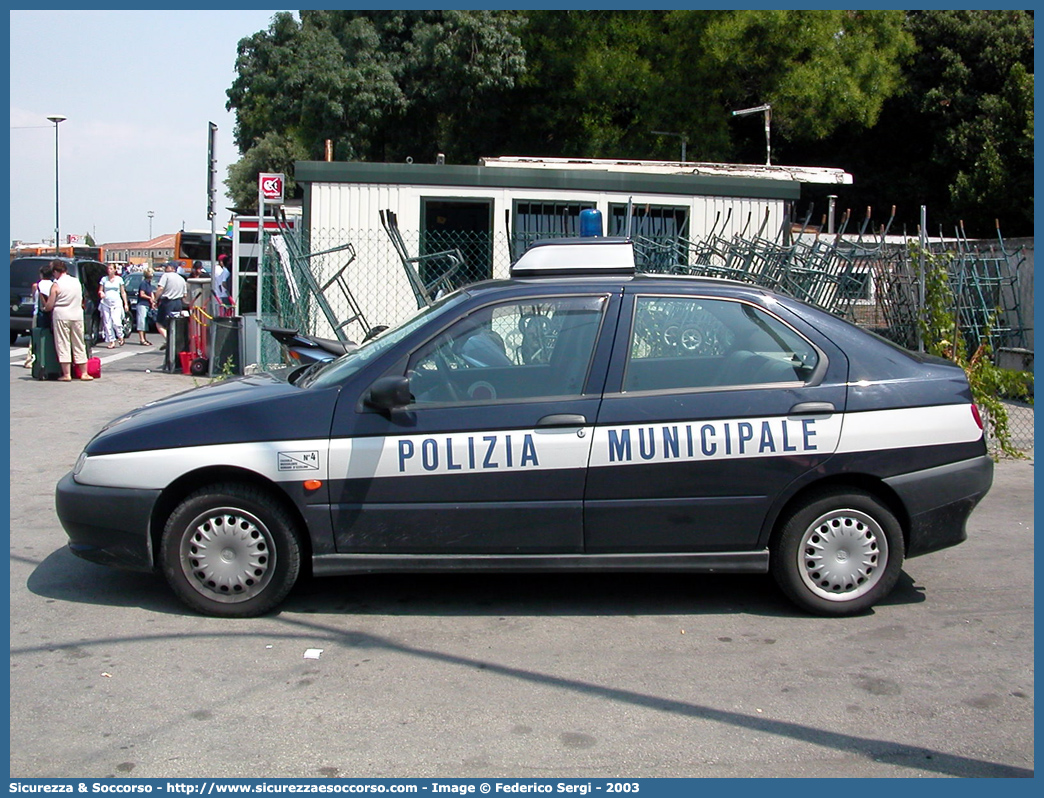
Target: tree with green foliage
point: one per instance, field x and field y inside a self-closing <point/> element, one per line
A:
<point x="973" y="78"/>
<point x="958" y="137"/>
<point x="817" y="69"/>
<point x="381" y="85"/>
<point x="589" y="76"/>
<point x="923" y="107"/>
<point x="598" y="83"/>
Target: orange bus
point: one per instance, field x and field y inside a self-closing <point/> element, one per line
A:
<point x="67" y="251"/>
<point x="194" y="245"/>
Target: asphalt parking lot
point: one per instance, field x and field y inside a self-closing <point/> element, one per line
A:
<point x="522" y="676"/>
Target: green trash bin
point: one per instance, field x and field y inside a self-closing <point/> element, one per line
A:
<point x="226" y="346"/>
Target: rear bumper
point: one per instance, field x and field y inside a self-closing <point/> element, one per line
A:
<point x="940" y="500"/>
<point x="109" y="526"/>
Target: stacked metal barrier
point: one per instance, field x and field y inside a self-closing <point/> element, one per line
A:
<point x="865" y="275"/>
<point x="860" y="272"/>
<point x="984" y="282"/>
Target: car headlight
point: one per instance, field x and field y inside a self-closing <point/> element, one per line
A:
<point x="79" y="463"/>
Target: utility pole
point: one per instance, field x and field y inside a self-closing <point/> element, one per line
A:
<point x="211" y="198"/>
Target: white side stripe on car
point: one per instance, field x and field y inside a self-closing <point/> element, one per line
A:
<point x="546" y="449"/>
<point x="279" y="461"/>
<point x="908" y="427"/>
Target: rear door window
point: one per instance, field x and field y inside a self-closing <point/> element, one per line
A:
<point x="686" y="343"/>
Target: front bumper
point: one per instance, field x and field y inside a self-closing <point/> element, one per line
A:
<point x="940" y="500"/>
<point x="109" y="526"/>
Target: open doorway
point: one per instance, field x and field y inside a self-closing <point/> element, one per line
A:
<point x="466" y="225"/>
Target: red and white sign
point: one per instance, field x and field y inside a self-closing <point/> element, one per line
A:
<point x="270" y="187"/>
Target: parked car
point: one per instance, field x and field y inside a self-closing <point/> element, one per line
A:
<point x="577" y="416"/>
<point x="26" y="271"/>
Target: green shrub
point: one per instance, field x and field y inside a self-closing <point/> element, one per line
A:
<point x="942" y="336"/>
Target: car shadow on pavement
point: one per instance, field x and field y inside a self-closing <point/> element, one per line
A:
<point x="540" y="594"/>
<point x="567" y="594"/>
<point x="64" y="577"/>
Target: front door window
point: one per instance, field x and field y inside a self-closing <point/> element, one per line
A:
<point x="519" y="351"/>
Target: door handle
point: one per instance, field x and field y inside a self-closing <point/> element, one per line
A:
<point x="812" y="409"/>
<point x="562" y="420"/>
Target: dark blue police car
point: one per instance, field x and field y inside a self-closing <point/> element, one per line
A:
<point x="577" y="416"/>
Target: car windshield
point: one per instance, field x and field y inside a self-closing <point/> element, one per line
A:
<point x="339" y="370"/>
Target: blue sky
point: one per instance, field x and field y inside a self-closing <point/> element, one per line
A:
<point x="138" y="89"/>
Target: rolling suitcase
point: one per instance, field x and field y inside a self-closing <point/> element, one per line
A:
<point x="45" y="358"/>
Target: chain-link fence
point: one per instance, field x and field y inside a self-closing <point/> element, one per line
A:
<point x="342" y="283"/>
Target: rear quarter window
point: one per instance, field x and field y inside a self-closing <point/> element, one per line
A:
<point x="25" y="272"/>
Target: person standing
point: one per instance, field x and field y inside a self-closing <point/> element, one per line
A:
<point x="222" y="279"/>
<point x="41" y="318"/>
<point x="143" y="302"/>
<point x="65" y="304"/>
<point x="171" y="292"/>
<point x="113" y="305"/>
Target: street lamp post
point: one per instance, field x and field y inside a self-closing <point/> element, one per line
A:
<point x="56" y="118"/>
<point x="150" y="214"/>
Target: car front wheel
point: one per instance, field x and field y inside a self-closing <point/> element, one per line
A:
<point x="839" y="553"/>
<point x="230" y="551"/>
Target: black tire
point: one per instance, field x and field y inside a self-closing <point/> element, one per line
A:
<point x="839" y="553"/>
<point x="230" y="551"/>
<point x="199" y="366"/>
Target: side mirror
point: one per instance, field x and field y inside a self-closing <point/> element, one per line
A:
<point x="389" y="393"/>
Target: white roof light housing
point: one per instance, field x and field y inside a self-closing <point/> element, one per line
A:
<point x="576" y="256"/>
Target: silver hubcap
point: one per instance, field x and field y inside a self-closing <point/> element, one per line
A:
<point x="227" y="555"/>
<point x="843" y="554"/>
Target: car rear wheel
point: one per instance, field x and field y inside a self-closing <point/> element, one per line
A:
<point x="230" y="551"/>
<point x="839" y="553"/>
